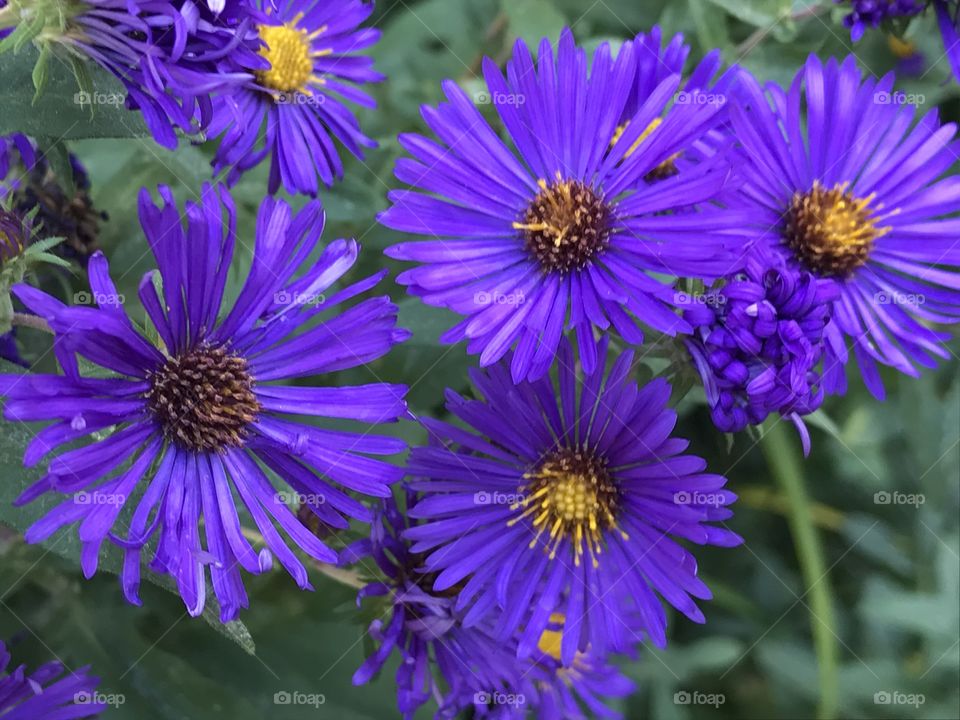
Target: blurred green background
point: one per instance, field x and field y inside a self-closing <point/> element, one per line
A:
<point x="844" y="600"/>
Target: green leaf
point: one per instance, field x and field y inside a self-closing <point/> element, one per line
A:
<point x="759" y="13"/>
<point x="532" y="20"/>
<point x="59" y="112"/>
<point x="58" y="156"/>
<point x="40" y="73"/>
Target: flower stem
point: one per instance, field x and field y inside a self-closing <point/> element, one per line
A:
<point x="785" y="465"/>
<point x="31" y="321"/>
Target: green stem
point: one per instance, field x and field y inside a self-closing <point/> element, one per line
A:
<point x="784" y="463"/>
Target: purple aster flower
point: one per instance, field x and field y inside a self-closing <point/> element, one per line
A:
<point x="566" y="498"/>
<point x="704" y="85"/>
<point x="551" y="690"/>
<point x="425" y="628"/>
<point x="564" y="692"/>
<point x="758" y="341"/>
<point x="200" y="417"/>
<point x="46" y="693"/>
<point x="168" y="57"/>
<point x="948" y="17"/>
<point x="294" y="109"/>
<point x="867" y="14"/>
<point x="858" y="194"/>
<point x="559" y="231"/>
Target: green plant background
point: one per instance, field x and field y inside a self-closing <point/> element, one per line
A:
<point x="834" y="597"/>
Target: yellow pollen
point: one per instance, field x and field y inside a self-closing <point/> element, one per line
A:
<point x="290" y="55"/>
<point x="570" y="496"/>
<point x="831" y="232"/>
<point x="662" y="171"/>
<point x="550" y="639"/>
<point x="903" y="49"/>
<point x="566" y="224"/>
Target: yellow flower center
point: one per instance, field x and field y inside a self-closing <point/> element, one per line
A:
<point x="666" y="169"/>
<point x="831" y="232"/>
<point x="289" y="54"/>
<point x="565" y="225"/>
<point x="569" y="496"/>
<point x="550" y="639"/>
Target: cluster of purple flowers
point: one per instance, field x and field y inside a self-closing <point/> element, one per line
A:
<point x="545" y="528"/>
<point x="270" y="79"/>
<point x="866" y="15"/>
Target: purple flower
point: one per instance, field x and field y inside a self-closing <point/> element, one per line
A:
<point x="46" y="693"/>
<point x="704" y="86"/>
<point x="757" y="343"/>
<point x="201" y="415"/>
<point x="293" y="109"/>
<point x="566" y="498"/>
<point x="948" y="17"/>
<point x="558" y="231"/>
<point x="867" y="14"/>
<point x="169" y="57"/>
<point x="425" y="628"/>
<point x="858" y="194"/>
